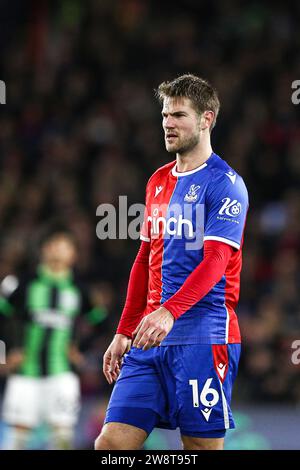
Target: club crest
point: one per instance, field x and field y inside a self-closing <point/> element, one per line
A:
<point x="192" y="195"/>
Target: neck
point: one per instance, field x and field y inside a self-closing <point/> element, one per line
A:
<point x="194" y="158"/>
<point x="56" y="269"/>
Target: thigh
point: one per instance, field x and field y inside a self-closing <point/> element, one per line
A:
<point x="62" y="399"/>
<point x="204" y="380"/>
<point x="120" y="436"/>
<point x="138" y="398"/>
<point x="21" y="402"/>
<point x="204" y="443"/>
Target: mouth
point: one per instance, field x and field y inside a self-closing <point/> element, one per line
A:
<point x="171" y="136"/>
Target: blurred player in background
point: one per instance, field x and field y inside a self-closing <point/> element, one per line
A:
<point x="42" y="312"/>
<point x="183" y="289"/>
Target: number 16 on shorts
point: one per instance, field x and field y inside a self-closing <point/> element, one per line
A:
<point x="209" y="396"/>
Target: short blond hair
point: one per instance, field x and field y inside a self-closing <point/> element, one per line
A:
<point x="202" y="94"/>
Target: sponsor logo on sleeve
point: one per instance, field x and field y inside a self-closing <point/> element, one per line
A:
<point x="230" y="208"/>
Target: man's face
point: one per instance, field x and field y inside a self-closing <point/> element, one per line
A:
<point x="59" y="251"/>
<point x="181" y="125"/>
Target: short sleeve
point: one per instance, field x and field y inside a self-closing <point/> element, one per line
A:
<point x="226" y="209"/>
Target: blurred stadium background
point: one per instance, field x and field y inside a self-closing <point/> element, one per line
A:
<point x="81" y="127"/>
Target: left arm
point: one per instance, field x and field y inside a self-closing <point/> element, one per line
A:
<point x="154" y="327"/>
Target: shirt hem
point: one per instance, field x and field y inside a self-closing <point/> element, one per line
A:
<point x="216" y="426"/>
<point x="177" y="341"/>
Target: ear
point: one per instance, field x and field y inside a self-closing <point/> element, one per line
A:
<point x="207" y="119"/>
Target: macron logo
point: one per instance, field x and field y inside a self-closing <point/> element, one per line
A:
<point x="231" y="176"/>
<point x="206" y="413"/>
<point x="158" y="189"/>
<point x="221" y="369"/>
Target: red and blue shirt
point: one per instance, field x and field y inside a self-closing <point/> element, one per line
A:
<point x="182" y="211"/>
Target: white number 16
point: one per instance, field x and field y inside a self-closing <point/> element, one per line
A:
<point x="203" y="396"/>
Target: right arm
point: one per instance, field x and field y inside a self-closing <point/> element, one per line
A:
<point x="136" y="301"/>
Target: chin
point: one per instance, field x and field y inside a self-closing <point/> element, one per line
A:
<point x="171" y="148"/>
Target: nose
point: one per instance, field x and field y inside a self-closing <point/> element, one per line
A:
<point x="168" y="122"/>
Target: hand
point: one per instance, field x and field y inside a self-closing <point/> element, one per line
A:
<point x="112" y="359"/>
<point x="76" y="358"/>
<point x="153" y="329"/>
<point x="14" y="359"/>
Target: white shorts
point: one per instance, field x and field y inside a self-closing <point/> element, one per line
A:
<point x="29" y="401"/>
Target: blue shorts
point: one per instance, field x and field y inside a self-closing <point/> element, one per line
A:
<point x="186" y="386"/>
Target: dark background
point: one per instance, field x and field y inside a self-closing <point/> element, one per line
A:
<point x="81" y="127"/>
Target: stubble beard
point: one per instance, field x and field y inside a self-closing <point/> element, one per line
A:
<point x="184" y="146"/>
